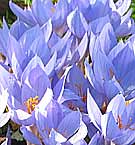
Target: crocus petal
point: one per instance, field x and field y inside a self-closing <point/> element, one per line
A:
<point x="16" y="66"/>
<point x="117" y="105"/>
<point x="107" y="38"/>
<point x="81" y="142"/>
<point x="61" y="42"/>
<point x="54" y="114"/>
<point x="110" y="89"/>
<point x="114" y="52"/>
<point x="115" y="19"/>
<point x="36" y="61"/>
<point x="4" y="118"/>
<point x="29" y="136"/>
<point x="97" y="139"/>
<point x="58" y="137"/>
<point x="93" y="111"/>
<point x="128" y="137"/>
<point x="98" y="24"/>
<point x="69" y="126"/>
<point x="39" y="11"/>
<point x="45" y="99"/>
<point x="68" y="95"/>
<point x="125" y="58"/>
<point x="23" y="117"/>
<point x="3" y="100"/>
<point x="60" y="15"/>
<point x="25" y="16"/>
<point x="13" y="46"/>
<point x="39" y="81"/>
<point x="124" y="7"/>
<point x="63" y="55"/>
<point x="29" y="36"/>
<point x="77" y="23"/>
<point x="81" y="134"/>
<point x="102" y="7"/>
<point x="7" y="79"/>
<point x="49" y="68"/>
<point x="109" y="126"/>
<point x="59" y="88"/>
<point x="47" y="30"/>
<point x="103" y="68"/>
<point x="17" y="29"/>
<point x="80" y="50"/>
<point x="90" y="74"/>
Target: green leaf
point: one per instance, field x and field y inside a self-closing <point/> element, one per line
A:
<point x="17" y="135"/>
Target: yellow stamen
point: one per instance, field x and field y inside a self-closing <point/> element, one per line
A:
<point x="2" y="57"/>
<point x="31" y="104"/>
<point x="104" y="107"/>
<point x="129" y="101"/>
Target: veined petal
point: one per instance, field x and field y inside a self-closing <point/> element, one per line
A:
<point x="23" y="117"/>
<point x="109" y="126"/>
<point x="124" y="7"/>
<point x="36" y="61"/>
<point x="50" y="66"/>
<point x="18" y="28"/>
<point x="81" y="134"/>
<point x="97" y="139"/>
<point x="46" y="99"/>
<point x="107" y="38"/>
<point x="40" y="12"/>
<point x="25" y="16"/>
<point x="59" y="88"/>
<point x="93" y="111"/>
<point x="80" y="50"/>
<point x="29" y="36"/>
<point x="77" y="23"/>
<point x="128" y="137"/>
<point x="58" y="137"/>
<point x="47" y="30"/>
<point x="70" y="124"/>
<point x="117" y="106"/>
<point x="29" y="136"/>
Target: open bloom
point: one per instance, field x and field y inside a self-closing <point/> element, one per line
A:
<point x="117" y="125"/>
<point x="56" y="125"/>
<point x="24" y="95"/>
<point x="75" y="15"/>
<point x="112" y="72"/>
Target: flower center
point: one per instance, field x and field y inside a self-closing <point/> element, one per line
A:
<point x="119" y="122"/>
<point x="80" y="92"/>
<point x="121" y="126"/>
<point x="31" y="103"/>
<point x="2" y="57"/>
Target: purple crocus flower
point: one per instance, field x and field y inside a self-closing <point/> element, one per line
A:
<point x="117" y="124"/>
<point x="27" y="93"/>
<point x="97" y="13"/>
<point x="41" y="11"/>
<point x="19" y="50"/>
<point x="112" y="72"/>
<point x="52" y="124"/>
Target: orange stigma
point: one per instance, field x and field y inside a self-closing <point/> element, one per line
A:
<point x="31" y="104"/>
<point x="119" y="122"/>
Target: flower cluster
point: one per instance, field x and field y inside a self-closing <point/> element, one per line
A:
<point x="66" y="73"/>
